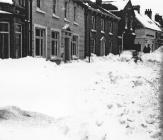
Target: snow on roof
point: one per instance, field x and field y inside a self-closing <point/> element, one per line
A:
<point x="146" y="21"/>
<point x="120" y="4"/>
<point x="6" y="1"/>
<point x="92" y="6"/>
<point x="4" y="12"/>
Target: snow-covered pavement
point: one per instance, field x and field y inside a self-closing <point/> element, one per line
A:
<point x="110" y="98"/>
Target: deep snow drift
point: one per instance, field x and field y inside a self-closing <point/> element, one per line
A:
<point x="110" y="98"/>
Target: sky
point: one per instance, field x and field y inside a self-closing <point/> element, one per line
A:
<point x="155" y="5"/>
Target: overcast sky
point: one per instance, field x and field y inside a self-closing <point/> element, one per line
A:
<point x="155" y="5"/>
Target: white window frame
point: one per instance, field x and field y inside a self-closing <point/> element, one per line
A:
<point x="45" y="28"/>
<point x="8" y="36"/>
<point x="77" y="49"/>
<point x="59" y="44"/>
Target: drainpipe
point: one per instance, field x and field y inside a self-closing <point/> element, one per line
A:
<point x="30" y="49"/>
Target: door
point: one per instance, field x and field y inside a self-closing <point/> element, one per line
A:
<point x="67" y="49"/>
<point x="4" y="40"/>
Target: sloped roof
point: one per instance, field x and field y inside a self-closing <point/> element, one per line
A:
<point x="6" y="1"/>
<point x="120" y="4"/>
<point x="146" y="21"/>
<point x="94" y="7"/>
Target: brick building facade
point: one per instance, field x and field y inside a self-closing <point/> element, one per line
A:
<point x="126" y="26"/>
<point x="101" y="30"/>
<point x="14" y="28"/>
<point x="58" y="29"/>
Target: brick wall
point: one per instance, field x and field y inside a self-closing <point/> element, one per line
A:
<point x="98" y="34"/>
<point x="57" y="21"/>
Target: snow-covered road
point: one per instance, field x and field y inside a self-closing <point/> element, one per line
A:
<point x="110" y="98"/>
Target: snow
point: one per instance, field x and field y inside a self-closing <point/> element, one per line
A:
<point x="110" y="98"/>
<point x="146" y="21"/>
<point x="6" y="1"/>
<point x="4" y="12"/>
<point x="120" y="4"/>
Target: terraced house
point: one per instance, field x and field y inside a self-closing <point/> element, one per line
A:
<point x="101" y="28"/>
<point x="14" y="28"/>
<point x="58" y="29"/>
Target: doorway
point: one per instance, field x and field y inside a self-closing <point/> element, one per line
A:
<point x="67" y="49"/>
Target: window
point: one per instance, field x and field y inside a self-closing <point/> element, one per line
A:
<point x="4" y="27"/>
<point x="126" y="23"/>
<point x="39" y="3"/>
<point x="4" y="40"/>
<point x="54" y="43"/>
<point x="110" y="27"/>
<point x="75" y="10"/>
<point x="54" y="6"/>
<point x="110" y="46"/>
<point x="74" y="46"/>
<point x="93" y="45"/>
<point x="39" y="41"/>
<point x="66" y="9"/>
<point x="102" y="49"/>
<point x="18" y="40"/>
<point x="93" y="22"/>
<point x="22" y="3"/>
<point x="102" y="25"/>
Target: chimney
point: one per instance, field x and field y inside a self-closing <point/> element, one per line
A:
<point x="148" y="12"/>
<point x="99" y="2"/>
<point x="137" y="8"/>
<point x="159" y="19"/>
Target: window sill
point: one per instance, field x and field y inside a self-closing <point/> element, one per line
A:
<point x="40" y="11"/>
<point x="93" y="30"/>
<point x="55" y="16"/>
<point x="65" y="19"/>
<point x="75" y="23"/>
<point x="110" y="33"/>
<point x="102" y="32"/>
